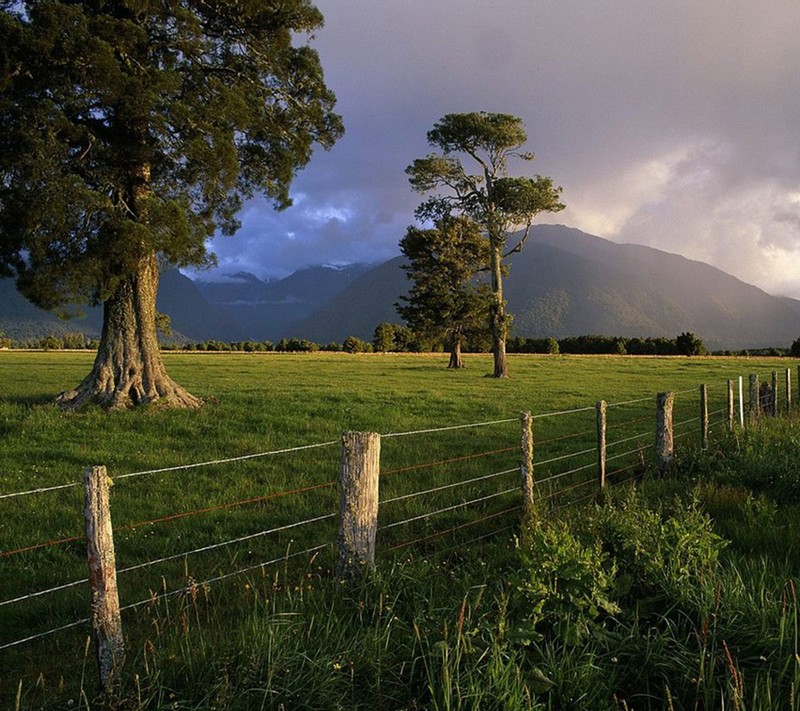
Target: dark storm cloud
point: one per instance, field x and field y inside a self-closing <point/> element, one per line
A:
<point x="672" y="124"/>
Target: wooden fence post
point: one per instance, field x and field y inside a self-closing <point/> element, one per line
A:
<point x="774" y="401"/>
<point x="730" y="405"/>
<point x="741" y="403"/>
<point x="358" y="502"/>
<point x="106" y="618"/>
<point x="755" y="408"/>
<point x="703" y="417"/>
<point x="665" y="443"/>
<point x="788" y="391"/>
<point x="602" y="409"/>
<point x="526" y="468"/>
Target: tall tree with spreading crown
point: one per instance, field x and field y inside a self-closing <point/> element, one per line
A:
<point x="498" y="203"/>
<point x="130" y="132"/>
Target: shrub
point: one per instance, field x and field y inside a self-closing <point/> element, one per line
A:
<point x="564" y="584"/>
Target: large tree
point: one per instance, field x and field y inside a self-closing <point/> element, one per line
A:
<point x="503" y="206"/>
<point x="445" y="302"/>
<point x="130" y="132"/>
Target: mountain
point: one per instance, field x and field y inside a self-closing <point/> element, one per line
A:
<point x="566" y="282"/>
<point x="268" y="310"/>
<point x="191" y="315"/>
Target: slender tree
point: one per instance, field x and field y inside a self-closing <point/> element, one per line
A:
<point x="130" y="132"/>
<point x="498" y="203"/>
<point x="445" y="302"/>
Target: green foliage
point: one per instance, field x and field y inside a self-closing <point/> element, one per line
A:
<point x="128" y="129"/>
<point x="690" y="345"/>
<point x="395" y="338"/>
<point x="494" y="202"/>
<point x="794" y="350"/>
<point x="296" y="345"/>
<point x="436" y="625"/>
<point x="564" y="585"/>
<point x="353" y="344"/>
<point x="657" y="549"/>
<point x="445" y="303"/>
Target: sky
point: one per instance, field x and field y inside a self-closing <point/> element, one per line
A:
<point x="668" y="123"/>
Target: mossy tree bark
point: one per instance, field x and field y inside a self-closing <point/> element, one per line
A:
<point x="129" y="369"/>
<point x="498" y="321"/>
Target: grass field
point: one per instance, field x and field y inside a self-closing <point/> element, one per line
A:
<point x="259" y="403"/>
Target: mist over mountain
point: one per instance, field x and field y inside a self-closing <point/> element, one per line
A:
<point x="564" y="283"/>
<point x="567" y="283"/>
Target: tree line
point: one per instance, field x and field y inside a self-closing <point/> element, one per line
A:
<point x="399" y="338"/>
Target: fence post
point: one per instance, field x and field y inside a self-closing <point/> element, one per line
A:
<point x="730" y="405"/>
<point x="741" y="403"/>
<point x="106" y="618"/>
<point x="788" y="391"/>
<point x="665" y="442"/>
<point x="601" y="443"/>
<point x="526" y="468"/>
<point x="358" y="502"/>
<point x="754" y="410"/>
<point x="703" y="417"/>
<point x="774" y="401"/>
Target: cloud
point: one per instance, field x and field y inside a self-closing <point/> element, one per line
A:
<point x="669" y="124"/>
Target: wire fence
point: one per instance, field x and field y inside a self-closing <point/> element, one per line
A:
<point x="428" y="494"/>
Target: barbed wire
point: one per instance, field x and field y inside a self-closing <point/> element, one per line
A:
<point x="566" y="456"/>
<point x="233" y="541"/>
<point x="438" y="534"/>
<point x="628" y="439"/>
<point x="566" y="473"/>
<point x="449" y="428"/>
<point x="180" y="467"/>
<point x="562" y="412"/>
<point x="40" y="635"/>
<point x="155" y="598"/>
<point x="210" y="581"/>
<point x="448" y="508"/>
<point x="42" y="490"/>
<point x="39" y="593"/>
<point x="649" y="398"/>
<point x="450" y="486"/>
<point x="443" y="462"/>
<point x="227" y="460"/>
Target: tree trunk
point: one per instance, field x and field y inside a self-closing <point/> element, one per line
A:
<point x="455" y="354"/>
<point x="497" y="313"/>
<point x="129" y="370"/>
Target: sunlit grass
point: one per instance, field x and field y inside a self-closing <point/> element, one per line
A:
<point x="257" y="403"/>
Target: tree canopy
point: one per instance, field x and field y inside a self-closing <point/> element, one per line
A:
<point x="132" y="131"/>
<point x="445" y="302"/>
<point x="501" y="205"/>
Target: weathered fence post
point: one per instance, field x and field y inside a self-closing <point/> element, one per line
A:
<point x="526" y="468"/>
<point x="358" y="502"/>
<point x="741" y="403"/>
<point x="601" y="443"/>
<point x="774" y="401"/>
<point x="106" y="618"/>
<point x="665" y="443"/>
<point x="755" y="408"/>
<point x="788" y="391"/>
<point x="730" y="405"/>
<point x="703" y="417"/>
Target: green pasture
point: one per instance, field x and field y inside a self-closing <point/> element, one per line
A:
<point x="257" y="403"/>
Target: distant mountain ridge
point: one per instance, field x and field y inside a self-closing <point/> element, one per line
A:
<point x="564" y="283"/>
<point x="567" y="283"/>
